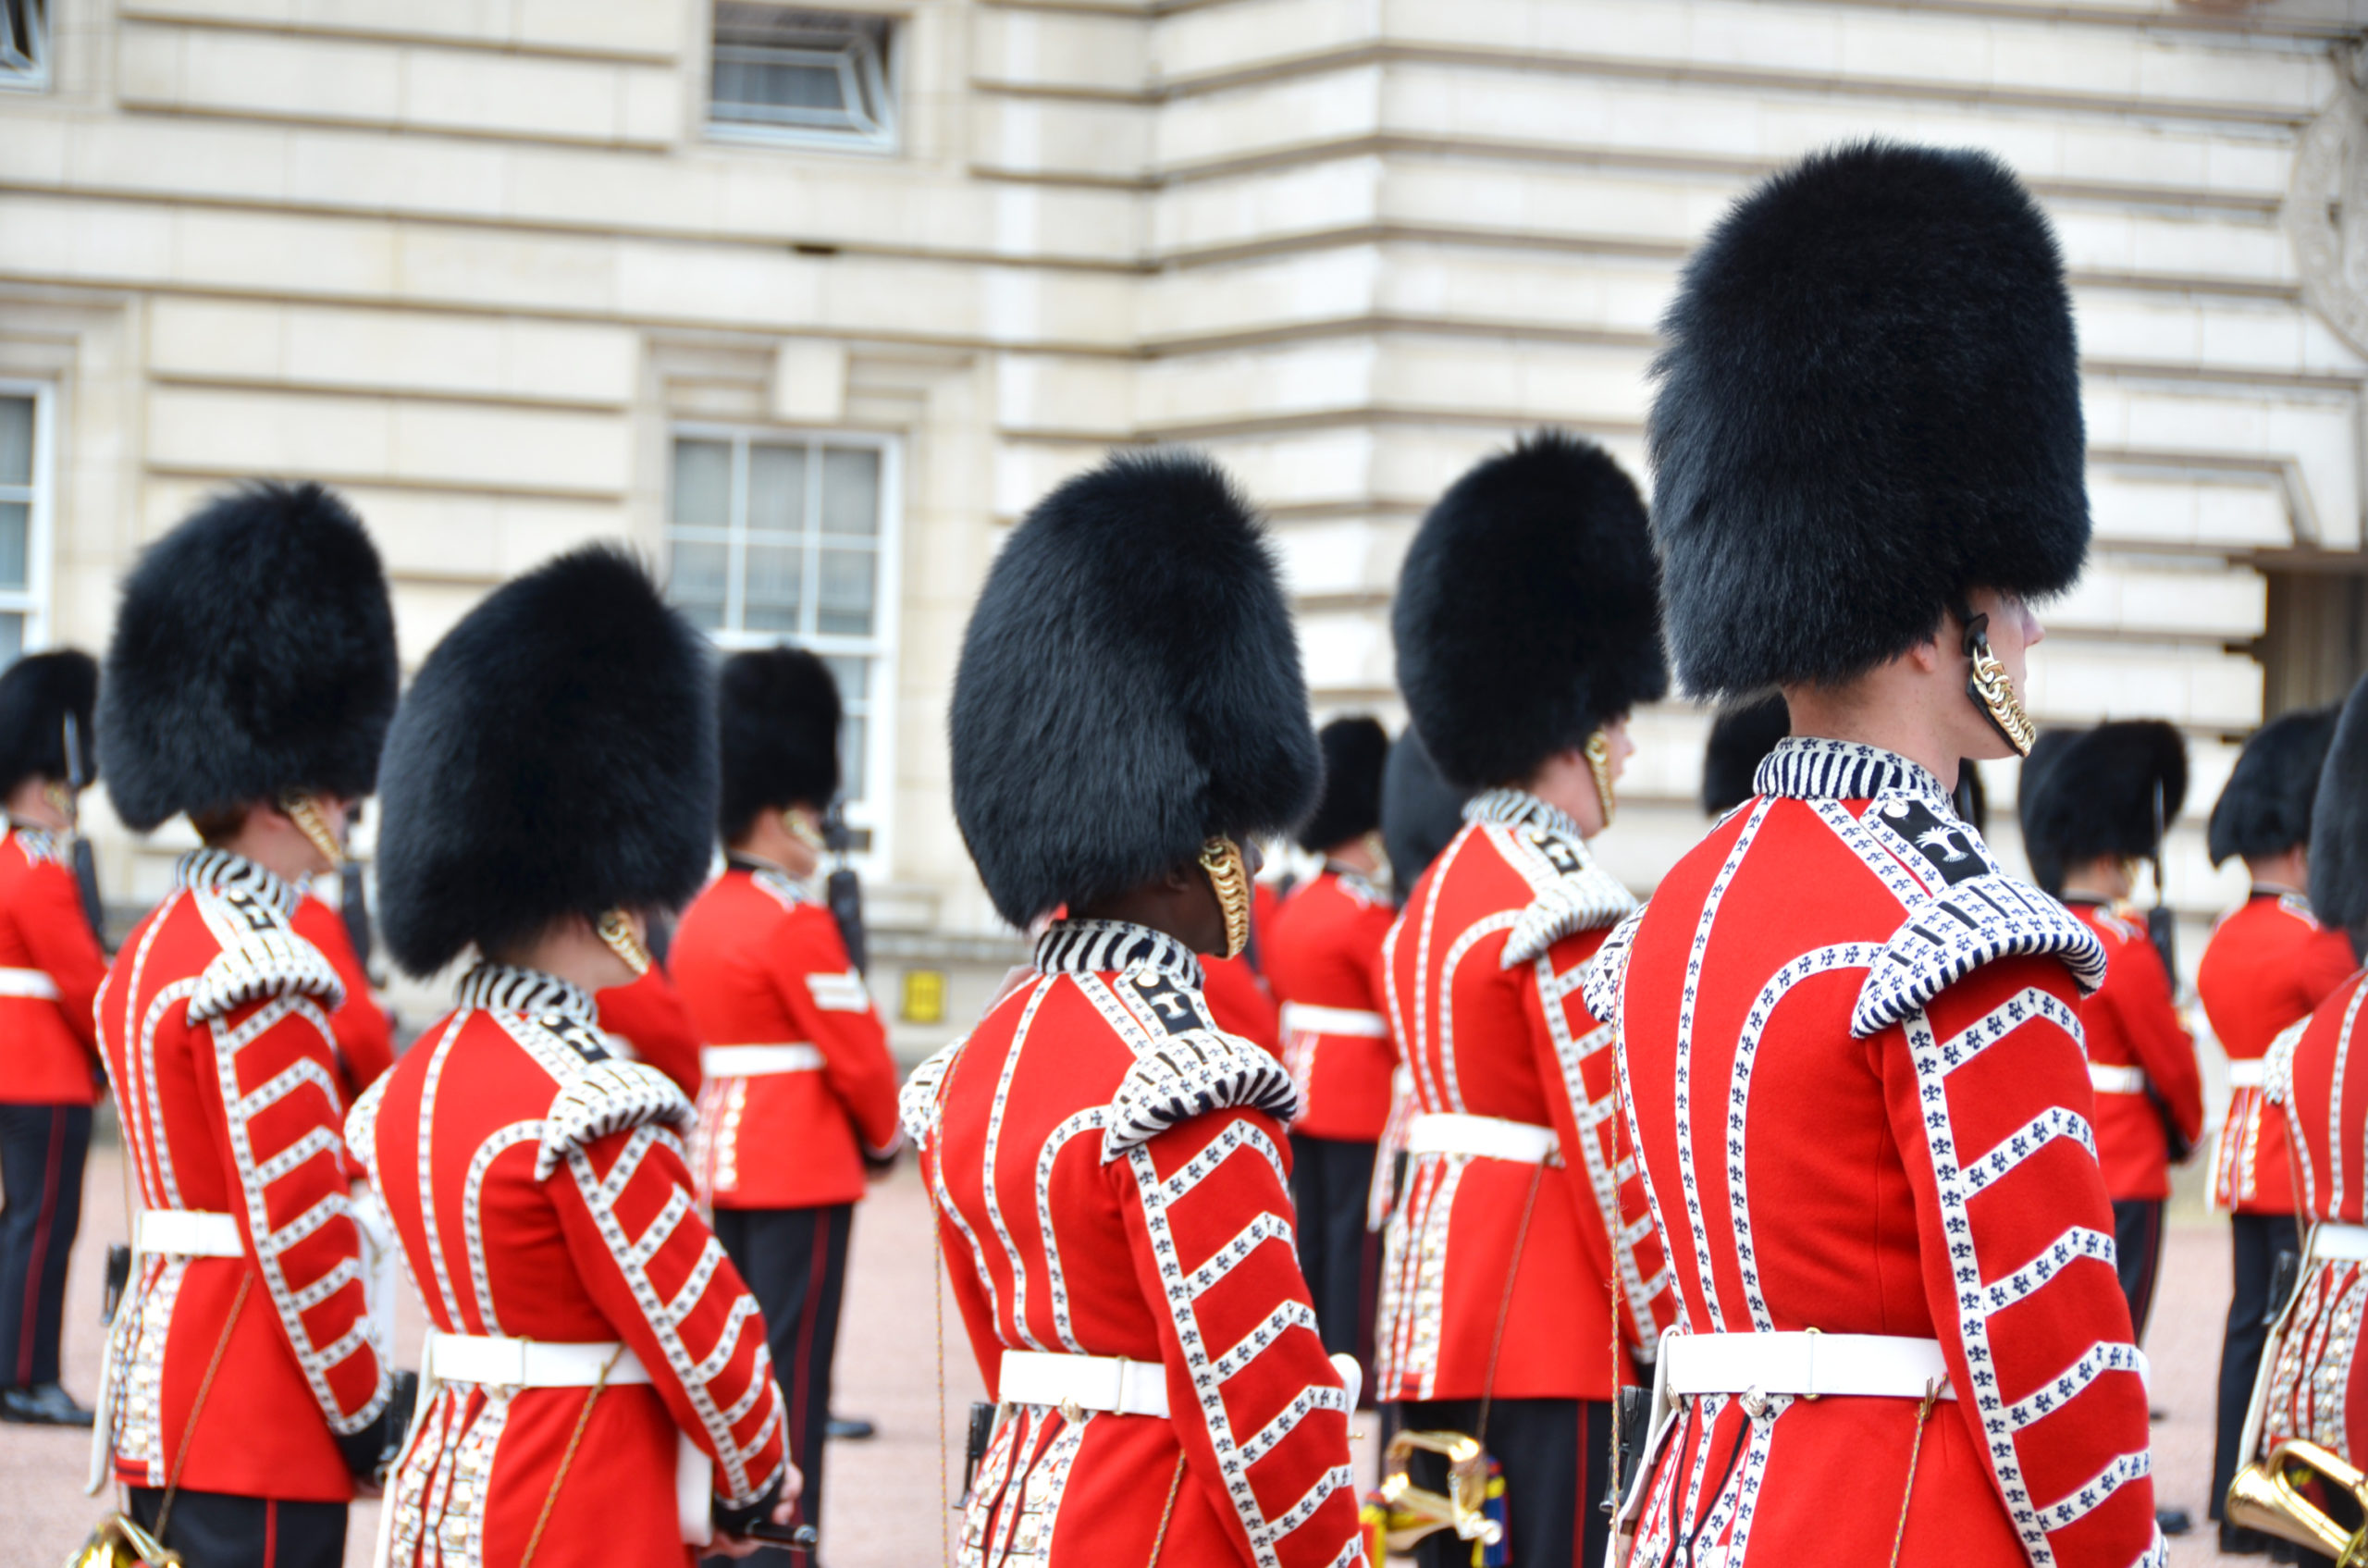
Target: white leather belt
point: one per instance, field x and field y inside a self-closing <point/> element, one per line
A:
<point x="1442" y="1132"/>
<point x="495" y="1361"/>
<point x="35" y="984"/>
<point x="190" y="1233"/>
<point x="1088" y="1382"/>
<point x="1883" y="1365"/>
<point x="2107" y="1079"/>
<point x="2341" y="1242"/>
<point x="1305" y="1017"/>
<point x="2245" y="1074"/>
<point x="758" y="1061"/>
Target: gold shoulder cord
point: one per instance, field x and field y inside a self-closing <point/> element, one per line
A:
<point x="1993" y="692"/>
<point x="305" y="812"/>
<point x="1221" y="858"/>
<point x="616" y="931"/>
<point x="1599" y="750"/>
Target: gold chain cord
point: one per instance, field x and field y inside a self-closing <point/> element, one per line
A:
<point x="1915" y="1452"/>
<point x="1175" y="1485"/>
<point x="582" y="1419"/>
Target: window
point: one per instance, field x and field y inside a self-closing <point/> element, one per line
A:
<point x="2315" y="644"/>
<point x="24" y="43"/>
<point x="817" y="78"/>
<point x="778" y="537"/>
<point x="24" y="516"/>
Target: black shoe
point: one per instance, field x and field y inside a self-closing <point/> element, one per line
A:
<point x="850" y="1429"/>
<point x="2174" y="1521"/>
<point x="44" y="1404"/>
<point x="2238" y="1541"/>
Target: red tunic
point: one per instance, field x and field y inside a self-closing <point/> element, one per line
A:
<point x="1109" y="1174"/>
<point x="647" y="1020"/>
<point x="541" y="1192"/>
<point x="2268" y="964"/>
<point x="1852" y="1057"/>
<point x="49" y="971"/>
<point x="366" y="1040"/>
<point x="1481" y="973"/>
<point x="761" y="963"/>
<point x="2133" y="1029"/>
<point x="2314" y="1380"/>
<point x="1238" y="999"/>
<point x="1322" y="953"/>
<point x="215" y="1019"/>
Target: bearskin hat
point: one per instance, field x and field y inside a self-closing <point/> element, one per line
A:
<point x="253" y="655"/>
<point x="1420" y="812"/>
<point x="1529" y="610"/>
<point x="2340" y="823"/>
<point x="555" y="756"/>
<point x="1740" y="738"/>
<point x="1870" y="404"/>
<point x="38" y="695"/>
<point x="1129" y="688"/>
<point x="777" y="710"/>
<point x="2266" y="808"/>
<point x="2087" y="793"/>
<point x="1354" y="750"/>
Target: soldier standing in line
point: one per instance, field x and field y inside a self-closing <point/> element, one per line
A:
<point x="2268" y="964"/>
<point x="800" y="1090"/>
<point x="1514" y="1303"/>
<point x="595" y="1386"/>
<point x="1109" y="1166"/>
<point x="1323" y="952"/>
<point x="248" y="684"/>
<point x="1849" y="1042"/>
<point x="50" y="1072"/>
<point x="2093" y="804"/>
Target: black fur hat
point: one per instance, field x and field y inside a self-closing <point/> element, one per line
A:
<point x="1529" y="610"/>
<point x="39" y="692"/>
<point x="1354" y="749"/>
<point x="1870" y="404"/>
<point x="1420" y="812"/>
<point x="778" y="711"/>
<point x="556" y="755"/>
<point x="2087" y="793"/>
<point x="1129" y="688"/>
<point x="2266" y="808"/>
<point x="1740" y="738"/>
<point x="2340" y="823"/>
<point x="253" y="655"/>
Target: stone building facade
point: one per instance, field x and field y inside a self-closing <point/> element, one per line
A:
<point x="809" y="305"/>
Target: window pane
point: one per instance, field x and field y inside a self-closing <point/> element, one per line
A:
<point x="15" y="524"/>
<point x="16" y="440"/>
<point x="769" y="596"/>
<point x="12" y="638"/>
<point x="776" y="489"/>
<point x="851" y="490"/>
<point x="703" y="483"/>
<point x="698" y="582"/>
<point x="844" y="605"/>
<point x="853" y="785"/>
<point x="854" y="678"/>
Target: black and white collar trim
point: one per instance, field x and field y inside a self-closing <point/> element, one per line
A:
<point x="1811" y="768"/>
<point x="775" y="879"/>
<point x="1113" y="947"/>
<point x="508" y="989"/>
<point x="43" y="844"/>
<point x="1518" y="807"/>
<point x="220" y="869"/>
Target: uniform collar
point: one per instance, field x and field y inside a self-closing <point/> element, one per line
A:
<point x="46" y="844"/>
<point x="2271" y="890"/>
<point x="507" y="988"/>
<point x="774" y="877"/>
<point x="219" y="869"/>
<point x="1112" y="946"/>
<point x="1518" y="807"/>
<point x="1812" y="768"/>
<point x="1354" y="879"/>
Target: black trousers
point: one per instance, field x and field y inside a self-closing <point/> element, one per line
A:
<point x="796" y="1264"/>
<point x="2137" y="1255"/>
<point x="1557" y="1460"/>
<point x="1330" y="1180"/>
<point x="217" y="1530"/>
<point x="2257" y="1239"/>
<point x="42" y="1152"/>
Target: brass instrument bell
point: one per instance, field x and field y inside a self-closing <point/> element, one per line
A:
<point x="1415" y="1513"/>
<point x="120" y="1543"/>
<point x="2267" y="1496"/>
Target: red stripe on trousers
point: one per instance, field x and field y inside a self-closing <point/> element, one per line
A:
<point x="806" y="1332"/>
<point x="31" y="1328"/>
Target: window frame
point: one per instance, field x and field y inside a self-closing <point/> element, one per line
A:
<point x="31" y="601"/>
<point x="885" y="141"/>
<point x="35" y="78"/>
<point x="876" y="812"/>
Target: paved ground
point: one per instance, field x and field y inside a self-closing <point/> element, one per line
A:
<point x="884" y="1508"/>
